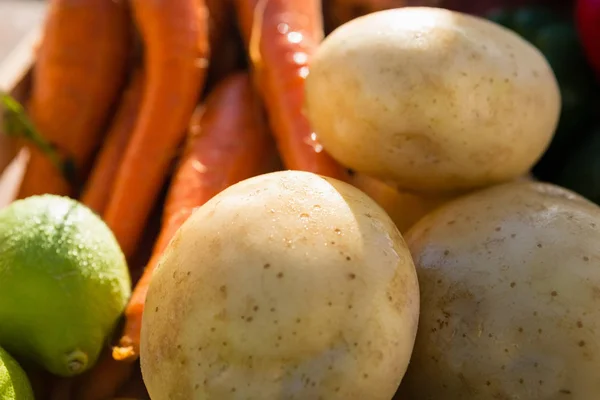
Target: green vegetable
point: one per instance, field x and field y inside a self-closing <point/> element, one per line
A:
<point x="15" y="122"/>
<point x="556" y="37"/>
<point x="64" y="283"/>
<point x="14" y="383"/>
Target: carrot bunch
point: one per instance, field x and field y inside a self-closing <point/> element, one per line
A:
<point x="211" y="98"/>
<point x="75" y="86"/>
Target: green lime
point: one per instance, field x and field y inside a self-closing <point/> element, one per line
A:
<point x="64" y="283"/>
<point x="14" y="384"/>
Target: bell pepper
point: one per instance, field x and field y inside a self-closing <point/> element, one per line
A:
<point x="557" y="39"/>
<point x="587" y="15"/>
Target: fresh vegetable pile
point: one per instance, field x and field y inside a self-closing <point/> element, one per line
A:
<point x="350" y="215"/>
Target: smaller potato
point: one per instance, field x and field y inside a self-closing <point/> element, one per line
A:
<point x="510" y="297"/>
<point x="432" y="99"/>
<point x="404" y="208"/>
<point x="284" y="286"/>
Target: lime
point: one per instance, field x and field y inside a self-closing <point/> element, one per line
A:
<point x="64" y="283"/>
<point x="14" y="384"/>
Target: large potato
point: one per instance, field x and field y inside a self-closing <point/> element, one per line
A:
<point x="510" y="294"/>
<point x="431" y="99"/>
<point x="284" y="286"/>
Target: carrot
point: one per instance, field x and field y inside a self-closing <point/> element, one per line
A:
<point x="175" y="36"/>
<point x="99" y="184"/>
<point x="280" y="36"/>
<point x="80" y="68"/>
<point x="228" y="142"/>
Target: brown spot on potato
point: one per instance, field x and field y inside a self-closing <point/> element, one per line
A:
<point x="280" y="275"/>
<point x="215" y="245"/>
<point x="554" y="293"/>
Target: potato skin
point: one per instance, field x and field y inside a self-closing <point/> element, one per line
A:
<point x="510" y="297"/>
<point x="432" y="99"/>
<point x="404" y="208"/>
<point x="284" y="286"/>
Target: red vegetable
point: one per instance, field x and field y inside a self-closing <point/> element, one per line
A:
<point x="175" y="36"/>
<point x="280" y="36"/>
<point x="80" y="67"/>
<point x="587" y="14"/>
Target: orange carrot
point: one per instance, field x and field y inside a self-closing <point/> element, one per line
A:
<point x="80" y="67"/>
<point x="175" y="36"/>
<point x="228" y="142"/>
<point x="280" y="36"/>
<point x="99" y="184"/>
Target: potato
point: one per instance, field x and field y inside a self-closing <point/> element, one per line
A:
<point x="284" y="286"/>
<point x="432" y="99"/>
<point x="404" y="208"/>
<point x="510" y="294"/>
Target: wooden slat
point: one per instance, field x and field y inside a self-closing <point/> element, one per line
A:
<point x="15" y="78"/>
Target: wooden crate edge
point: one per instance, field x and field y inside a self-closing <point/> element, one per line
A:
<point x="15" y="79"/>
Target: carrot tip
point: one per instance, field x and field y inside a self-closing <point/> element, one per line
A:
<point x="124" y="353"/>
